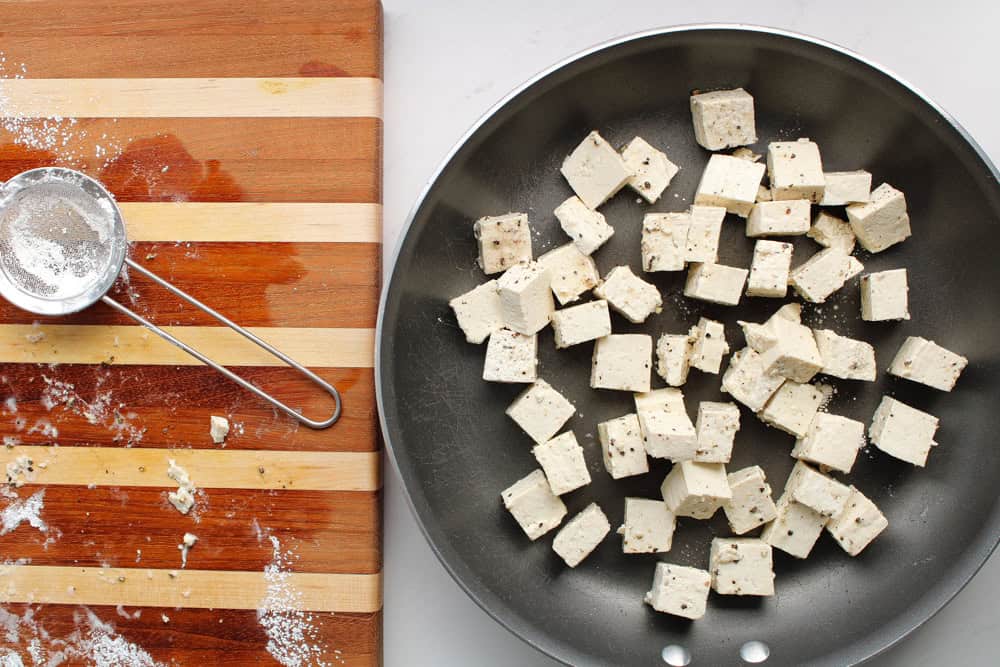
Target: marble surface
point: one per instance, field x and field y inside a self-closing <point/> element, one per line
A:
<point x="443" y="71"/>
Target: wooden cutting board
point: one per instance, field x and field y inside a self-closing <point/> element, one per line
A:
<point x="243" y="141"/>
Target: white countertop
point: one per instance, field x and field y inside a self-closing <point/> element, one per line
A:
<point x="443" y="71"/>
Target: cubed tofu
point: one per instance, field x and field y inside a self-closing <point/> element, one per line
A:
<point x="679" y="590"/>
<point x="760" y="337"/>
<point x="673" y="358"/>
<point x="581" y="535"/>
<point x="795" y="529"/>
<point x="885" y="296"/>
<point x="793" y="407"/>
<point x="562" y="461"/>
<point x="794" y="354"/>
<point x="779" y="218"/>
<point x="703" y="234"/>
<point x="831" y="232"/>
<point x="709" y="345"/>
<point x="664" y="241"/>
<point x="621" y="447"/>
<point x="540" y="411"/>
<point x="595" y="170"/>
<point x="924" y="361"/>
<point x="629" y="294"/>
<point x="650" y="170"/>
<point x="668" y="398"/>
<point x="511" y="357"/>
<point x="845" y="358"/>
<point x="858" y="525"/>
<point x="823" y="274"/>
<point x="571" y="273"/>
<point x="696" y="489"/>
<point x="588" y="228"/>
<point x="478" y="312"/>
<point x="741" y="566"/>
<point x="769" y="269"/>
<point x="795" y="170"/>
<point x="815" y="490"/>
<point x="882" y="222"/>
<point x="751" y="505"/>
<point x="716" y="428"/>
<point x="903" y="432"/>
<point x="622" y="362"/>
<point x="218" y="429"/>
<point x="723" y="119"/>
<point x="526" y="298"/>
<point x="668" y="434"/>
<point x="731" y="183"/>
<point x="746" y="381"/>
<point x="648" y="527"/>
<point x="533" y="505"/>
<point x="504" y="241"/>
<point x="846" y="187"/>
<point x="715" y="283"/>
<point x="832" y="441"/>
<point x="579" y="324"/>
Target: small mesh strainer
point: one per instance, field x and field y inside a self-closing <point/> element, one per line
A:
<point x="63" y="245"/>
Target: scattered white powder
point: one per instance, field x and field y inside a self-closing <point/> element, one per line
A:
<point x="99" y="410"/>
<point x="45" y="427"/>
<point x="10" y="404"/>
<point x="20" y="470"/>
<point x="24" y="511"/>
<point x="185" y="546"/>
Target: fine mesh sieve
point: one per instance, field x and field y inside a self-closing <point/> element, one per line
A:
<point x="63" y="245"/>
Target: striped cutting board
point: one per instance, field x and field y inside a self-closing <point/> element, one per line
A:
<point x="243" y="140"/>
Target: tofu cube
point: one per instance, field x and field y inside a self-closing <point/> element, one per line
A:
<point x="709" y="345"/>
<point x="668" y="434"/>
<point x="731" y="183"/>
<point x="885" y="296"/>
<point x="581" y="535"/>
<point x="533" y="505"/>
<point x="832" y="441"/>
<point x="679" y="590"/>
<point x="526" y="298"/>
<point x="540" y="411"/>
<point x="668" y="399"/>
<point x="793" y="407"/>
<point x="595" y="170"/>
<point x="504" y="241"/>
<point x="478" y="312"/>
<point x="903" y="432"/>
<point x="703" y="234"/>
<point x="716" y="429"/>
<point x="650" y="171"/>
<point x="760" y="337"/>
<point x="844" y="357"/>
<point x="571" y="273"/>
<point x="831" y="232"/>
<point x="881" y="222"/>
<point x="696" y="489"/>
<point x="794" y="354"/>
<point x="621" y="447"/>
<point x="578" y="324"/>
<point x="629" y="294"/>
<point x="715" y="283"/>
<point x="741" y="566"/>
<point x="795" y="529"/>
<point x="846" y="187"/>
<point x="769" y="269"/>
<point x="746" y="381"/>
<point x="664" y="241"/>
<point x="218" y="429"/>
<point x="751" y="505"/>
<point x="815" y="490"/>
<point x="511" y="357"/>
<point x="673" y="358"/>
<point x="779" y="218"/>
<point x="823" y="274"/>
<point x="588" y="228"/>
<point x="858" y="525"/>
<point x="924" y="361"/>
<point x="621" y="361"/>
<point x="723" y="119"/>
<point x="795" y="170"/>
<point x="648" y="527"/>
<point x="562" y="461"/>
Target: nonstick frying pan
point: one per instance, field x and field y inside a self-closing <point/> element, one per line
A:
<point x="456" y="449"/>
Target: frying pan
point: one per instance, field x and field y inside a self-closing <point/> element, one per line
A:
<point x="455" y="449"/>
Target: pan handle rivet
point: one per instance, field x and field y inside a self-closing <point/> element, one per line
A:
<point x="754" y="652"/>
<point x="676" y="655"/>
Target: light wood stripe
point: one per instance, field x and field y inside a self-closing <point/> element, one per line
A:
<point x="193" y="97"/>
<point x="209" y="469"/>
<point x="253" y="222"/>
<point x="196" y="589"/>
<point x="136" y="345"/>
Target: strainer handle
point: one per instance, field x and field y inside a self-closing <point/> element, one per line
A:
<point x="329" y="388"/>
